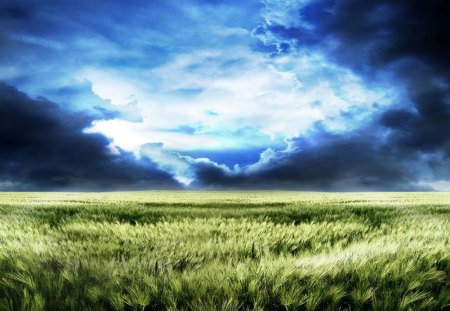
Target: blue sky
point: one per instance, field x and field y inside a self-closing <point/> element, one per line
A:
<point x="295" y="94"/>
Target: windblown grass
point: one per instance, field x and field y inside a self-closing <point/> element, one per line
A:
<point x="224" y="251"/>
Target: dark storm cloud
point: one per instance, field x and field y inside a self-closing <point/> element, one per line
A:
<point x="406" y="42"/>
<point x="43" y="147"/>
<point x="411" y="40"/>
<point x="346" y="162"/>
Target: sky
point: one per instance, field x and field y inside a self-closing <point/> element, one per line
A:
<point x="330" y="95"/>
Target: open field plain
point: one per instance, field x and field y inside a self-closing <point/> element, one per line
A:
<point x="168" y="250"/>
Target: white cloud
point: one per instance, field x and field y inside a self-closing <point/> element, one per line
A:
<point x="170" y="162"/>
<point x="276" y="98"/>
<point x="284" y="12"/>
<point x="110" y="85"/>
<point x="439" y="185"/>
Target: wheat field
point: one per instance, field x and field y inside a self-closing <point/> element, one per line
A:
<point x="255" y="250"/>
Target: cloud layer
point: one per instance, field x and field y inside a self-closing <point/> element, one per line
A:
<point x="298" y="94"/>
<point x="43" y="147"/>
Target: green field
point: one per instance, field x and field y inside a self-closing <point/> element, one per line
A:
<point x="169" y="250"/>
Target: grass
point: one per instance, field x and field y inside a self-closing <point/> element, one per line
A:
<point x="169" y="250"/>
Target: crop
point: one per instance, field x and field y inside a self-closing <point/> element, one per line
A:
<point x="260" y="250"/>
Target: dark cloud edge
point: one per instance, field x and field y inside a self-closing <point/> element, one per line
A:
<point x="43" y="148"/>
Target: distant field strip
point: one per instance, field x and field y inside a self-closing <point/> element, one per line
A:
<point x="256" y="250"/>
